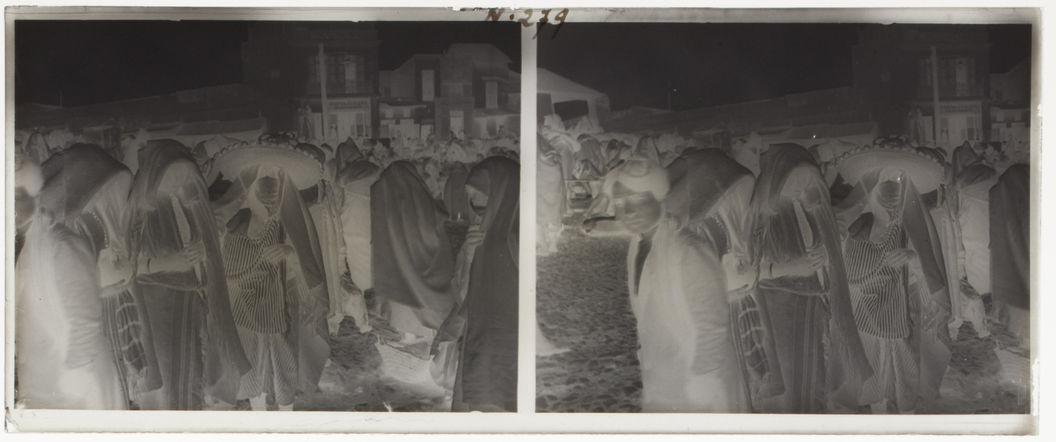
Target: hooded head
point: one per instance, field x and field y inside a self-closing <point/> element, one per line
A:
<point x="637" y="188"/>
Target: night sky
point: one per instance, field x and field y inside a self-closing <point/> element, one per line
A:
<point x="85" y="62"/>
<point x="708" y="64"/>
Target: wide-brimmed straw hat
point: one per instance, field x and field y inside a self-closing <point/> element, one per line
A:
<point x="301" y="166"/>
<point x="920" y="165"/>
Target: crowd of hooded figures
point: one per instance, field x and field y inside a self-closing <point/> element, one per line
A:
<point x="785" y="279"/>
<point x="171" y="277"/>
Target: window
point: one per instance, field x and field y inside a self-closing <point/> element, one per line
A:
<point x="491" y="95"/>
<point x="349" y="67"/>
<point x="963" y="76"/>
<point x="956" y="76"/>
<point x="972" y="132"/>
<point x="361" y="129"/>
<point x="428" y="85"/>
<point x="344" y="74"/>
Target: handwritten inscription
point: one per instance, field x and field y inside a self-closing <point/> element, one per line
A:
<point x="497" y="14"/>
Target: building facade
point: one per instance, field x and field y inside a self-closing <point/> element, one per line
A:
<point x="912" y="73"/>
<point x="467" y="91"/>
<point x="320" y="80"/>
<point x="1010" y="109"/>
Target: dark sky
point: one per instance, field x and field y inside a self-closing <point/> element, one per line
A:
<point x="85" y="62"/>
<point x="706" y="64"/>
<point x="400" y="40"/>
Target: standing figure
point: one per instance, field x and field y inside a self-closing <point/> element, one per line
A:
<point x="678" y="296"/>
<point x="1010" y="250"/>
<point x="75" y="352"/>
<point x="897" y="276"/>
<point x="275" y="273"/>
<point x="413" y="263"/>
<point x="487" y="369"/>
<point x="710" y="197"/>
<point x="550" y="199"/>
<point x="971" y="270"/>
<point x="796" y="247"/>
<point x="323" y="200"/>
<point x="181" y="282"/>
<point x="355" y="180"/>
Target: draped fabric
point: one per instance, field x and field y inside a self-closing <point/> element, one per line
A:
<point x="648" y="148"/>
<point x="1010" y="237"/>
<point x="591" y="156"/>
<point x="564" y="146"/>
<point x="963" y="158"/>
<point x="355" y="181"/>
<point x="487" y="372"/>
<point x="790" y="212"/>
<point x="299" y="279"/>
<point x="927" y="298"/>
<point x="710" y="194"/>
<point x="882" y="310"/>
<point x="64" y="357"/>
<point x="193" y="334"/>
<point x="412" y="258"/>
<point x="687" y="357"/>
<point x="550" y="200"/>
<point x="455" y="199"/>
<point x="700" y="180"/>
<point x="63" y="316"/>
<point x="325" y="211"/>
<point x="972" y="224"/>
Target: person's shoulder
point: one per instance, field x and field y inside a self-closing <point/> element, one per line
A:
<point x="239" y="223"/>
<point x="690" y="245"/>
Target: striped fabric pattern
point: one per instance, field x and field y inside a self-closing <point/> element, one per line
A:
<point x="896" y="375"/>
<point x="124" y="330"/>
<point x="878" y="295"/>
<point x="274" y="369"/>
<point x="258" y="302"/>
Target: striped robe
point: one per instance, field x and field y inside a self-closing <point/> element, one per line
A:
<point x="263" y="303"/>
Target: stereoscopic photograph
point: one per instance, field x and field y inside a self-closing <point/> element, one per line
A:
<point x="784" y="218"/>
<point x="265" y="215"/>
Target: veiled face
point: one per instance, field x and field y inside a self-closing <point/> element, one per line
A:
<point x="268" y="193"/>
<point x="889" y="194"/>
<point x="638" y="212"/>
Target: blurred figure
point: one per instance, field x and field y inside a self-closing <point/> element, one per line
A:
<point x="678" y="295"/>
<point x="28" y="182"/>
<point x="550" y="199"/>
<point x="81" y="323"/>
<point x="710" y="197"/>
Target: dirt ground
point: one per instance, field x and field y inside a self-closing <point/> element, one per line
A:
<point x="353" y="380"/>
<point x="583" y="305"/>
